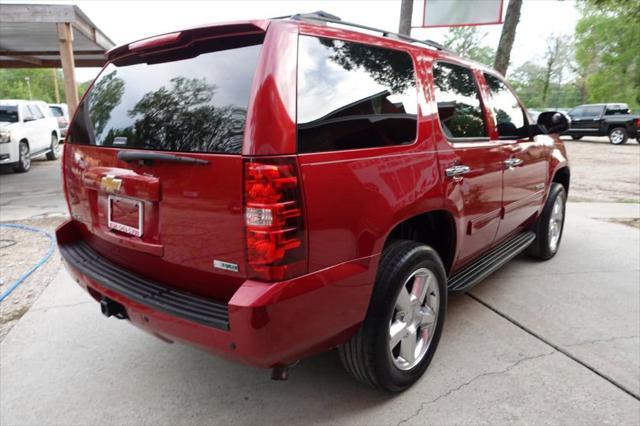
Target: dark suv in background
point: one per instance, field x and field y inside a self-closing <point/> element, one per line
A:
<point x="612" y="120"/>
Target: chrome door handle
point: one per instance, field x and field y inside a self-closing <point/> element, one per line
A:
<point x="457" y="170"/>
<point x="511" y="163"/>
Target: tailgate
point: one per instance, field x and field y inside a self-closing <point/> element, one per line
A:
<point x="153" y="170"/>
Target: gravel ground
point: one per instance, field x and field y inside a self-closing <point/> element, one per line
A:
<point x="603" y="172"/>
<point x="19" y="250"/>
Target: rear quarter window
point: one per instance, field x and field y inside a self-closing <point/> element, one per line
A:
<point x="353" y="95"/>
<point x="193" y="104"/>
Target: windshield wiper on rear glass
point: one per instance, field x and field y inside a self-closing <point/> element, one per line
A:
<point x="150" y="157"/>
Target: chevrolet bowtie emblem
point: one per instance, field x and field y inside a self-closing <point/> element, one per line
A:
<point x="110" y="184"/>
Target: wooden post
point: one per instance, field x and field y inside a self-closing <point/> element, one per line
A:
<point x="65" y="40"/>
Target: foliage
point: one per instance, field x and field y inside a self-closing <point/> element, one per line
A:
<point x="467" y="42"/>
<point x="607" y="40"/>
<point x="385" y="66"/>
<point x="528" y="80"/>
<point x="108" y="93"/>
<point x="13" y="84"/>
<point x="181" y="117"/>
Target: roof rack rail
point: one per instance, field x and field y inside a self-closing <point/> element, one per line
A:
<point x="322" y="16"/>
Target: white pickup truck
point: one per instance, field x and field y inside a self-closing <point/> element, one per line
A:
<point x="27" y="130"/>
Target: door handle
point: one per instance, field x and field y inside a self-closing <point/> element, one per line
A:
<point x="458" y="170"/>
<point x="511" y="163"/>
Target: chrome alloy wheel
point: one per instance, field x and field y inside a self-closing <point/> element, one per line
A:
<point x="25" y="157"/>
<point x="414" y="319"/>
<point x="555" y="224"/>
<point x="617" y="136"/>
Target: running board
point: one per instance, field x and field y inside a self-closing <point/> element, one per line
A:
<point x="472" y="274"/>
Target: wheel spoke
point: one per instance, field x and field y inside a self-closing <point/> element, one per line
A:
<point x="420" y="287"/>
<point x="404" y="300"/>
<point x="396" y="332"/>
<point x="427" y="316"/>
<point x="408" y="348"/>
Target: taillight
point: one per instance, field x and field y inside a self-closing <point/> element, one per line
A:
<point x="276" y="248"/>
<point x="638" y="123"/>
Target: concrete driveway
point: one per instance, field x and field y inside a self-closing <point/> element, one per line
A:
<point x="537" y="343"/>
<point x="36" y="193"/>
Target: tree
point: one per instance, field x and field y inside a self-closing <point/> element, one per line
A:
<point x="607" y="40"/>
<point x="467" y="42"/>
<point x="406" y="10"/>
<point x="508" y="35"/>
<point x="106" y="95"/>
<point x="386" y="67"/>
<point x="557" y="57"/>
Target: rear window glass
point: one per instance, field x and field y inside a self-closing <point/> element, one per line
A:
<point x="56" y="111"/>
<point x="193" y="104"/>
<point x="458" y="101"/>
<point x="352" y="95"/>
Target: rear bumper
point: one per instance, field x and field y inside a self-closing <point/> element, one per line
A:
<point x="262" y="324"/>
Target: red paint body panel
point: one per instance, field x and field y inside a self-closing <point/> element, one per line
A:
<point x="352" y="200"/>
<point x="270" y="324"/>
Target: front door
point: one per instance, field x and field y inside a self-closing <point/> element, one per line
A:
<point x="470" y="163"/>
<point x="524" y="158"/>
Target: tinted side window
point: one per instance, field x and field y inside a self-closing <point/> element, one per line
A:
<point x="576" y="112"/>
<point x="35" y="112"/>
<point x="508" y="114"/>
<point x="592" y="111"/>
<point x="458" y="101"/>
<point x="352" y="95"/>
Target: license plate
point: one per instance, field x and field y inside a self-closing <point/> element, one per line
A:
<point x="125" y="215"/>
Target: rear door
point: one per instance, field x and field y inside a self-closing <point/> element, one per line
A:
<point x="589" y="120"/>
<point x="154" y="170"/>
<point x="470" y="162"/>
<point x="525" y="158"/>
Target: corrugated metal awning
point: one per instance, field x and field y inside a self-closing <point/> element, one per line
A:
<point x="29" y="36"/>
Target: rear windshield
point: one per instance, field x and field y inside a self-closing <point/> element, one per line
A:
<point x="193" y="104"/>
<point x="56" y="111"/>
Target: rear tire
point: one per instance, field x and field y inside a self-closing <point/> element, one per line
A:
<point x="54" y="152"/>
<point x="550" y="224"/>
<point x="576" y="138"/>
<point x="401" y="331"/>
<point x="618" y="136"/>
<point x="24" y="158"/>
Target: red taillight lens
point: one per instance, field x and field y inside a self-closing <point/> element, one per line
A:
<point x="638" y="123"/>
<point x="276" y="248"/>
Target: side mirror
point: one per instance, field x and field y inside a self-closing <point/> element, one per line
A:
<point x="28" y="118"/>
<point x="551" y="122"/>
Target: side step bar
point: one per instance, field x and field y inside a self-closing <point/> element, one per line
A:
<point x="472" y="274"/>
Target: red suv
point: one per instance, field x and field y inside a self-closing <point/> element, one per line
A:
<point x="271" y="189"/>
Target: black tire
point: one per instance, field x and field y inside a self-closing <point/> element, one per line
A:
<point x="24" y="158"/>
<point x="367" y="356"/>
<point x="618" y="136"/>
<point x="54" y="148"/>
<point x="542" y="247"/>
<point x="576" y="138"/>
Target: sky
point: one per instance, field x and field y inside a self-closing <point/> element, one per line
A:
<point x="125" y="21"/>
